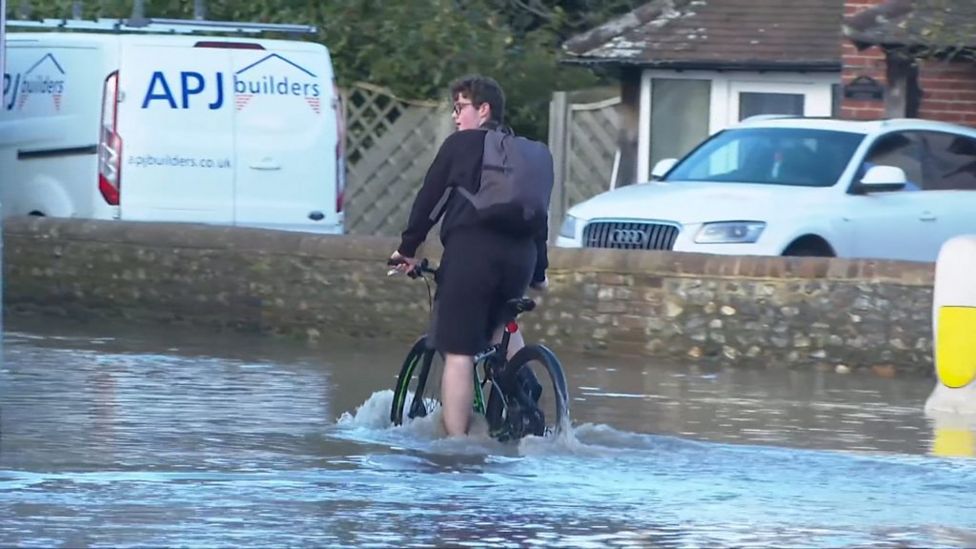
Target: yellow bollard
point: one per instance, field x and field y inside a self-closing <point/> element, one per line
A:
<point x="954" y="333"/>
<point x="954" y="312"/>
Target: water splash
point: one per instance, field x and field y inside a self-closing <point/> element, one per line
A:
<point x="372" y="414"/>
<point x="370" y="422"/>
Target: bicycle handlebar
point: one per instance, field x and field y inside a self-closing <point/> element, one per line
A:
<point x="422" y="267"/>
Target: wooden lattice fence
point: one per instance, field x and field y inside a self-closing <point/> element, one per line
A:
<point x="390" y="143"/>
<point x="583" y="139"/>
<point x="592" y="146"/>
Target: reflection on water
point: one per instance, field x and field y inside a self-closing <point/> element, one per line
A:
<point x="132" y="437"/>
<point x="953" y="435"/>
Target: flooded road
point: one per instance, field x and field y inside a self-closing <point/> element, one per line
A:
<point x="119" y="436"/>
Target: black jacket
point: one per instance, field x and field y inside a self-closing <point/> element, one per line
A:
<point x="458" y="163"/>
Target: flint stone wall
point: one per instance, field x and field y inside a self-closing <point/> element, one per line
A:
<point x="742" y="311"/>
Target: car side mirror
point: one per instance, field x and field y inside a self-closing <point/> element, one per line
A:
<point x="885" y="175"/>
<point x="662" y="167"/>
<point x="883" y="178"/>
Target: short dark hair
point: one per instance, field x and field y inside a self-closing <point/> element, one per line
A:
<point x="482" y="89"/>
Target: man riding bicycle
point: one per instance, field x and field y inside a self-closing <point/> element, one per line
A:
<point x="483" y="265"/>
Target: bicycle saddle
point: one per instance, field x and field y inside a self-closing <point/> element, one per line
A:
<point x="515" y="307"/>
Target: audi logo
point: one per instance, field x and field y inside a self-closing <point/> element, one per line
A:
<point x="628" y="236"/>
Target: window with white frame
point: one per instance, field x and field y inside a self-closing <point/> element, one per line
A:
<point x="679" y="109"/>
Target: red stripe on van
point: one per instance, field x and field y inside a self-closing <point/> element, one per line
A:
<point x="314" y="103"/>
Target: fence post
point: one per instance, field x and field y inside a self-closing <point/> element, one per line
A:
<point x="558" y="145"/>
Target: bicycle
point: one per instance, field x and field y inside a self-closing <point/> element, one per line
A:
<point x="517" y="405"/>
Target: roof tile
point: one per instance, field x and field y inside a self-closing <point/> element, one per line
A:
<point x="720" y="33"/>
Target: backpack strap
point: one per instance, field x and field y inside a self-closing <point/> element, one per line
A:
<point x="493" y="139"/>
<point x="441" y="204"/>
<point x="492" y="164"/>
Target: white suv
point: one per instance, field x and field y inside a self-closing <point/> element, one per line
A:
<point x="894" y="189"/>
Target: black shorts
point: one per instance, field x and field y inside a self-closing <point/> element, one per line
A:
<point x="480" y="271"/>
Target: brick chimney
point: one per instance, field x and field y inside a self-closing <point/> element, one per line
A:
<point x="869" y="62"/>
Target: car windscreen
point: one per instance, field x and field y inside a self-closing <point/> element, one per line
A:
<point x="773" y="156"/>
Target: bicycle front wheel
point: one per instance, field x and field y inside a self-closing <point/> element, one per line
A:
<point x="532" y="397"/>
<point x="417" y="391"/>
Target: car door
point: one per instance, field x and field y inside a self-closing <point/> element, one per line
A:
<point x="899" y="224"/>
<point x="949" y="172"/>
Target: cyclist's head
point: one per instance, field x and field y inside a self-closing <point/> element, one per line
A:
<point x="478" y="102"/>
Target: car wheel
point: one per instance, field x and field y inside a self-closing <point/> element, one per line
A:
<point x="807" y="251"/>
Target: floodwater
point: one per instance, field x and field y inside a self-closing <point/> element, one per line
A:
<point x="121" y="436"/>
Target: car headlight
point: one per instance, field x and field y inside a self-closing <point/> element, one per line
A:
<point x="730" y="232"/>
<point x="568" y="228"/>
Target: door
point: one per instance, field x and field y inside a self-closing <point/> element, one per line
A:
<point x="902" y="224"/>
<point x="751" y="98"/>
<point x="286" y="139"/>
<point x="949" y="180"/>
<point x="176" y="126"/>
<point x="679" y="116"/>
<point x="49" y="128"/>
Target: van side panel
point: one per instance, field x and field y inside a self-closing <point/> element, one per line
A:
<point x="49" y="129"/>
<point x="286" y="138"/>
<point x="176" y="122"/>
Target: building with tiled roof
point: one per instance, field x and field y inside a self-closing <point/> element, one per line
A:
<point x="689" y="68"/>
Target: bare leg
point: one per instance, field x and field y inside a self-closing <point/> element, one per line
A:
<point x="515" y="343"/>
<point x="457" y="393"/>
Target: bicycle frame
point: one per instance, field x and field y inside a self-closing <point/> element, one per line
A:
<point x="493" y="361"/>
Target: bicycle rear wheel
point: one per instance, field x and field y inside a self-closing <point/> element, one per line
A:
<point x="418" y="387"/>
<point x="531" y="398"/>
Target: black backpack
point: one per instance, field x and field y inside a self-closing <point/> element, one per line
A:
<point x="516" y="183"/>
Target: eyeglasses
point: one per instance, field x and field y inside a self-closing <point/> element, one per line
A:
<point x="459" y="106"/>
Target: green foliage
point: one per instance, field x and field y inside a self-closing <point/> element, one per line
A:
<point x="417" y="47"/>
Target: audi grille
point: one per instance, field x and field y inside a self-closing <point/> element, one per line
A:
<point x="629" y="235"/>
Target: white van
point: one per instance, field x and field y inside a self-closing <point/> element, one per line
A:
<point x="184" y="128"/>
